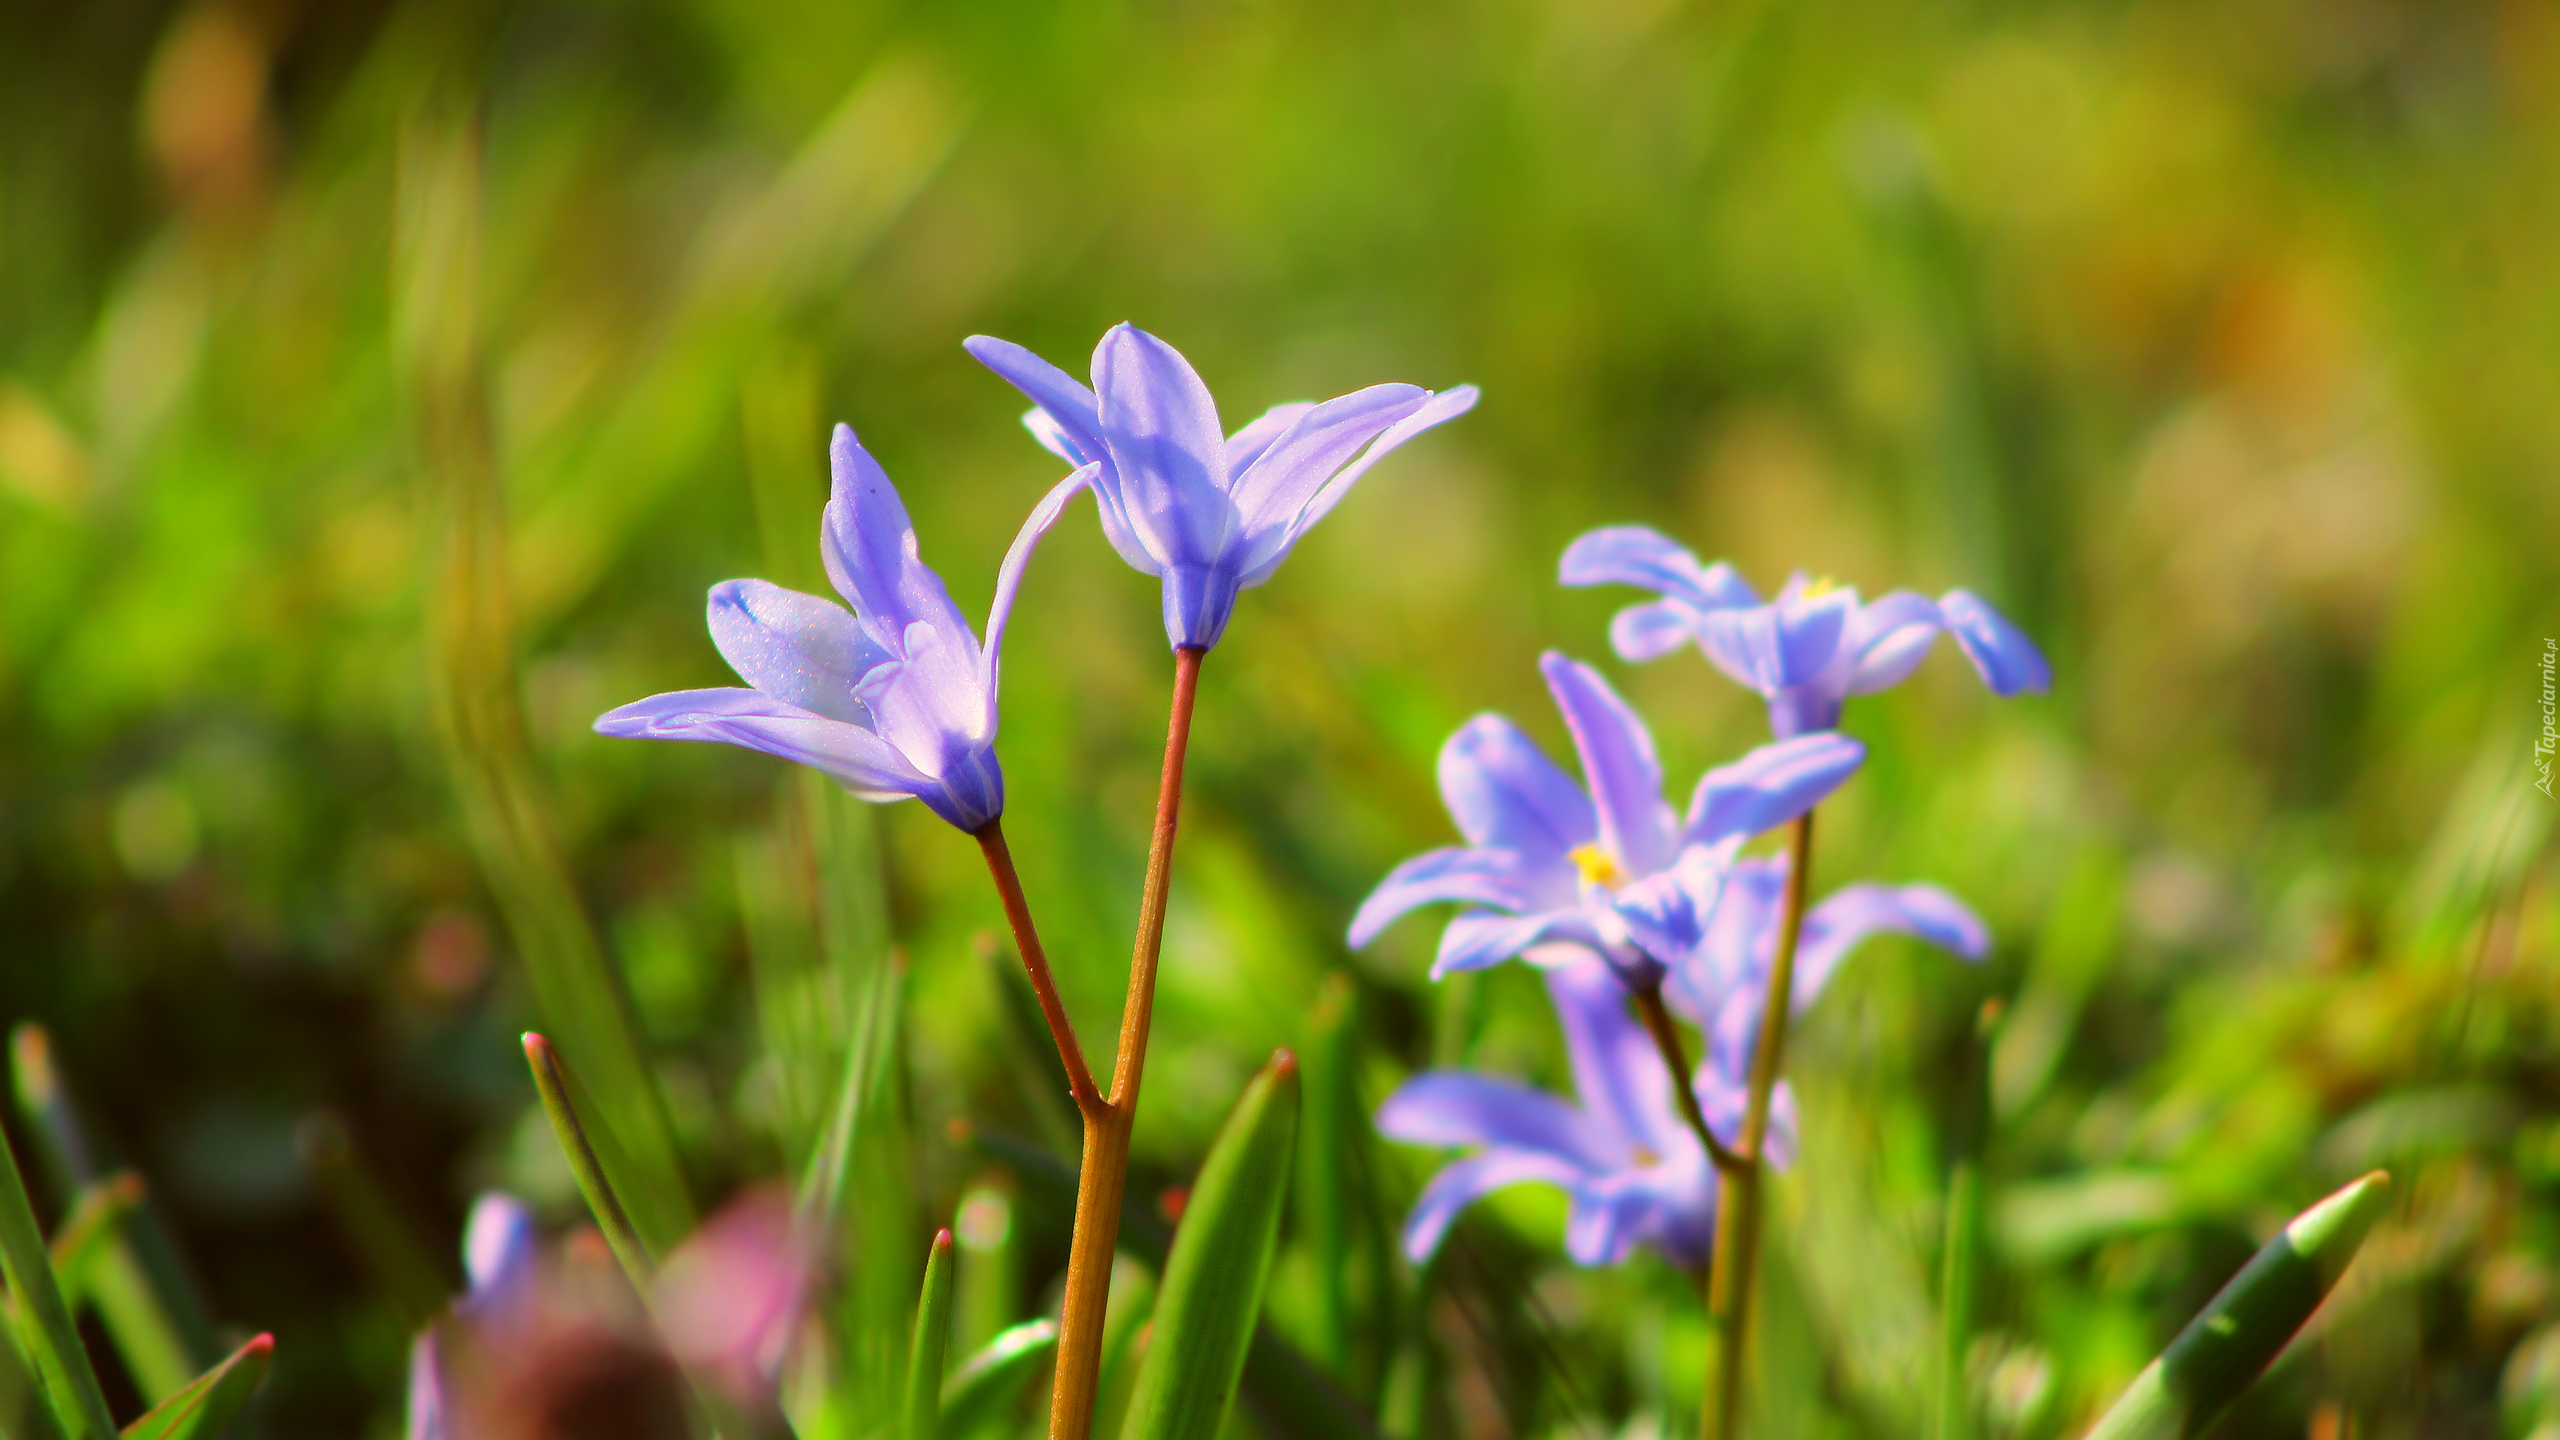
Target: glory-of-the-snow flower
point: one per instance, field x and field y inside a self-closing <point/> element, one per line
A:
<point x="1612" y="868"/>
<point x="1633" y="1171"/>
<point x="896" y="698"/>
<point x="1807" y="651"/>
<point x="1209" y="513"/>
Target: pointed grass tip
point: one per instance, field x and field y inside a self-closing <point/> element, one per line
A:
<point x="31" y="1047"/>
<point x="2249" y="1322"/>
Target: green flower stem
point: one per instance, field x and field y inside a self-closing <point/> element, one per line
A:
<point x="1737" y="1244"/>
<point x="1666" y="1041"/>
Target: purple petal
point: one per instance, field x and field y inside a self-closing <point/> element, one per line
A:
<point x="1504" y="792"/>
<point x="1463" y="1182"/>
<point x="1777" y="646"/>
<point x="857" y="758"/>
<point x="1604" y="1225"/>
<point x="1009" y="579"/>
<point x="1246" y="445"/>
<point x="1074" y="431"/>
<point x="1616" y="1070"/>
<point x="1457" y="1109"/>
<point x="1272" y="546"/>
<point x="870" y="549"/>
<point x="2008" y="661"/>
<point x="426" y="1389"/>
<point x="1323" y="438"/>
<point x="797" y="648"/>
<point x="1739" y="936"/>
<point x="1652" y="630"/>
<point x="1849" y="915"/>
<point x="1480" y="938"/>
<point x="1618" y="760"/>
<point x="1167" y="452"/>
<point x="501" y="1254"/>
<point x="1646" y="558"/>
<point x="1771" y="786"/>
<point x="1472" y="874"/>
<point x="1666" y="913"/>
<point x="1889" y="639"/>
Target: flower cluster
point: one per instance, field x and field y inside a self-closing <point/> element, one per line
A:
<point x="898" y="697"/>
<point x="1616" y="897"/>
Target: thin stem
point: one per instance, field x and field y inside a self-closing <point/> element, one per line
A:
<point x="1035" y="963"/>
<point x="1105" y="1171"/>
<point x="1738" y="1218"/>
<point x="1666" y="1039"/>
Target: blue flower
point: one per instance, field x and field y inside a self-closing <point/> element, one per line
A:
<point x="1721" y="984"/>
<point x="1807" y="651"/>
<point x="1209" y="513"/>
<point x="1611" y="869"/>
<point x="896" y="699"/>
<point x="501" y="1261"/>
<point x="1630" y="1166"/>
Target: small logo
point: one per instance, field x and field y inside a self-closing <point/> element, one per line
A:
<point x="2550" y="739"/>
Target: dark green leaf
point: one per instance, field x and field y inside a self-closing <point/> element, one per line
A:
<point x="1212" y="1292"/>
<point x="2222" y="1351"/>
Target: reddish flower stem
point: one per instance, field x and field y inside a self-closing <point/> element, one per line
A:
<point x="1035" y="963"/>
<point x="1666" y="1041"/>
<point x="1105" y="1171"/>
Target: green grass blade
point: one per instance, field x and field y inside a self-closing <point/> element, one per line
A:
<point x="932" y="1339"/>
<point x="981" y="1389"/>
<point x="859" y="1193"/>
<point x="472" y="665"/>
<point x="137" y="1284"/>
<point x="551" y="1077"/>
<point x="90" y="1231"/>
<point x="1325" y="1201"/>
<point x="1960" y="1257"/>
<point x="62" y="1365"/>
<point x="1127" y="1311"/>
<point x="2236" y="1336"/>
<point x="204" y="1409"/>
<point x="1284" y="1388"/>
<point x="1212" y="1292"/>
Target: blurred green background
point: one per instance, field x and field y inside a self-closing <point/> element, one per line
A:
<point x="2218" y="342"/>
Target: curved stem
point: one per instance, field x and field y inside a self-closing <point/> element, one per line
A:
<point x="1104" y="1176"/>
<point x="1737" y="1248"/>
<point x="1666" y="1041"/>
<point x="1035" y="963"/>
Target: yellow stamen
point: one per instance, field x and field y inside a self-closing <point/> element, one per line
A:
<point x="1597" y="868"/>
<point x="1646" y="1159"/>
<point x="1818" y="587"/>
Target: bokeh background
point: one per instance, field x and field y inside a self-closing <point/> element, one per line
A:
<point x="2217" y="342"/>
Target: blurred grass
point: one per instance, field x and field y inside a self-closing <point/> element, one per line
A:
<point x="2213" y="341"/>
